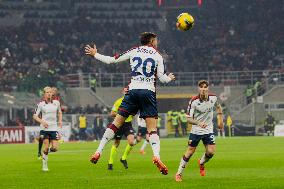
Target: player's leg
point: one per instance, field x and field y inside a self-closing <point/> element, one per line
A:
<point x="145" y="143"/>
<point x="192" y="144"/>
<point x="138" y="139"/>
<point x="54" y="146"/>
<point x="209" y="142"/>
<point x="130" y="135"/>
<point x="154" y="138"/>
<point x="127" y="107"/>
<point x="141" y="133"/>
<point x="40" y="143"/>
<point x="154" y="141"/>
<point x="54" y="141"/>
<point x="210" y="150"/>
<point x="147" y="104"/>
<point x="139" y="136"/>
<point x="113" y="152"/>
<point x="45" y="154"/>
<point x="108" y="135"/>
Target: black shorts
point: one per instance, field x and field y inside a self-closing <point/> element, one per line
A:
<point x="126" y="129"/>
<point x="206" y="139"/>
<point x="51" y="135"/>
<point x="139" y="99"/>
<point x="142" y="131"/>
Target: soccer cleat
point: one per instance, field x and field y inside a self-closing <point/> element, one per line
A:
<point x="178" y="178"/>
<point x="142" y="152"/>
<point x="124" y="162"/>
<point x="162" y="168"/>
<point x="110" y="167"/>
<point x="202" y="169"/>
<point x="95" y="157"/>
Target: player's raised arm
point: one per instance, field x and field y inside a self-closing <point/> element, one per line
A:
<point x="92" y="51"/>
<point x="163" y="77"/>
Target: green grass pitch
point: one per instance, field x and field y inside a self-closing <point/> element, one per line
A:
<point x="240" y="162"/>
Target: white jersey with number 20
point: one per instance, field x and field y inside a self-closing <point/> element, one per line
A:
<point x="146" y="64"/>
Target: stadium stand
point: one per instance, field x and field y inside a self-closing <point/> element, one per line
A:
<point x="41" y="43"/>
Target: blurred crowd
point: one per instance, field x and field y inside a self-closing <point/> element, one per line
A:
<point x="20" y="119"/>
<point x="48" y="43"/>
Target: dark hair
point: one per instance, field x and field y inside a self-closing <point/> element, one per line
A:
<point x="201" y="82"/>
<point x="145" y="37"/>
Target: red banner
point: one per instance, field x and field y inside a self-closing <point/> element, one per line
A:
<point x="9" y="135"/>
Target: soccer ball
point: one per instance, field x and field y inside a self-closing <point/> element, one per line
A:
<point x="185" y="21"/>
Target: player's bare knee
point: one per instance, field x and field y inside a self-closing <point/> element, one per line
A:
<point x="116" y="143"/>
<point x="53" y="149"/>
<point x="209" y="155"/>
<point x="138" y="139"/>
<point x="190" y="152"/>
<point x="131" y="143"/>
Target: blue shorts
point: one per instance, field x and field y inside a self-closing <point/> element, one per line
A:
<point x="139" y="99"/>
<point x="51" y="135"/>
<point x="206" y="139"/>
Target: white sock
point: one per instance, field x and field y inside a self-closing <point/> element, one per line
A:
<point x="135" y="141"/>
<point x="202" y="159"/>
<point x="44" y="157"/>
<point x="144" y="145"/>
<point x="154" y="140"/>
<point x="182" y="164"/>
<point x="108" y="135"/>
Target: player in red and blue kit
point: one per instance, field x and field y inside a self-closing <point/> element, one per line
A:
<point x="146" y="66"/>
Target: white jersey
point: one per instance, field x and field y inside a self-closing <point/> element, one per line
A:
<point x="146" y="64"/>
<point x="49" y="114"/>
<point x="202" y="111"/>
<point x="141" y="122"/>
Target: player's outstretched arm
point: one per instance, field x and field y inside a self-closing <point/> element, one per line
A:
<point x="92" y="51"/>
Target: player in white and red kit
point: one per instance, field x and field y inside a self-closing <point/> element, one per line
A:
<point x="146" y="66"/>
<point x="200" y="115"/>
<point x="50" y="121"/>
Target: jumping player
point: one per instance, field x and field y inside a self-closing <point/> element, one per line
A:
<point x="146" y="66"/>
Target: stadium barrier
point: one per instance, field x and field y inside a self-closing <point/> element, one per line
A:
<point x="279" y="129"/>
<point x="32" y="132"/>
<point x="232" y="78"/>
<point x="11" y="135"/>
